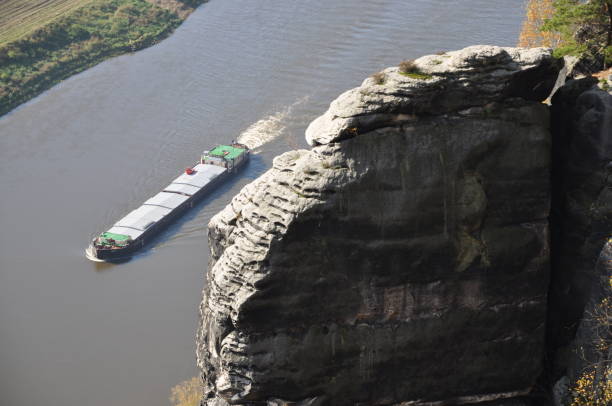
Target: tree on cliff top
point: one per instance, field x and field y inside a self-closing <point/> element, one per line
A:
<point x="585" y="28"/>
<point x="572" y="27"/>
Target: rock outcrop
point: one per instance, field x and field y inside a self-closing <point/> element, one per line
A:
<point x="582" y="206"/>
<point x="404" y="259"/>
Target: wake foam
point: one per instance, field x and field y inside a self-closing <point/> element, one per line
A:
<point x="269" y="128"/>
<point x="90" y="256"/>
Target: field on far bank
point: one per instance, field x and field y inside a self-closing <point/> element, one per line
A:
<point x="45" y="41"/>
<point x="21" y="17"/>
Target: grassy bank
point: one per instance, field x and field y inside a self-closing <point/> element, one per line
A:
<point x="43" y="42"/>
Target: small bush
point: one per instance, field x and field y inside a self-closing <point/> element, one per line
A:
<point x="410" y="69"/>
<point x="378" y="78"/>
<point x="408" y="66"/>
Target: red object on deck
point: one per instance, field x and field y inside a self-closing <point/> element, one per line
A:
<point x="189" y="171"/>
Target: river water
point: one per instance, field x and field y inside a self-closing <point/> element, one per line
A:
<point x="77" y="158"/>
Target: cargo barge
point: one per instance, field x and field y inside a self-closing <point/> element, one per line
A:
<point x="136" y="229"/>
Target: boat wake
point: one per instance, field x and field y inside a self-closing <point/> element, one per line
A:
<point x="90" y="256"/>
<point x="269" y="128"/>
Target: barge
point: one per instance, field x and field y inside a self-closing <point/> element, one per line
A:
<point x="136" y="229"/>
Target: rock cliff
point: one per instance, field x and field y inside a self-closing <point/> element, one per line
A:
<point x="404" y="259"/>
<point x="582" y="203"/>
<point x="580" y="295"/>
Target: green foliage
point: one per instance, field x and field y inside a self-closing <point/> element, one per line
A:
<point x="76" y="41"/>
<point x="410" y="69"/>
<point x="414" y="75"/>
<point x="585" y="28"/>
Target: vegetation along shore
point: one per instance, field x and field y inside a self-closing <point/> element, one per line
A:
<point x="43" y="42"/>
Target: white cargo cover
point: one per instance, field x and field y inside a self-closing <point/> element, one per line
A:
<point x="167" y="200"/>
<point x="181" y="188"/>
<point x="126" y="231"/>
<point x="204" y="173"/>
<point x="143" y="217"/>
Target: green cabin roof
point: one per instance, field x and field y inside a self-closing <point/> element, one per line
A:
<point x="116" y="237"/>
<point x="120" y="239"/>
<point x="226" y="151"/>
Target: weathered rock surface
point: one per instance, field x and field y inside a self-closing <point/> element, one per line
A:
<point x="404" y="259"/>
<point x="588" y="364"/>
<point x="473" y="76"/>
<point x="592" y="347"/>
<point x="582" y="205"/>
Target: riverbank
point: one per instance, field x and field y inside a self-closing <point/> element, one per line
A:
<point x="44" y="45"/>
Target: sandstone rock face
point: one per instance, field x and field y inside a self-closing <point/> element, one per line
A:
<point x="402" y="260"/>
<point x="472" y="77"/>
<point x="582" y="204"/>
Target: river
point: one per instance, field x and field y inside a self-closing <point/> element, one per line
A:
<point x="80" y="156"/>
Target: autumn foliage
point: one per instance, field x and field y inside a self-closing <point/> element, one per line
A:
<point x="187" y="393"/>
<point x="594" y="386"/>
<point x="537" y="12"/>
